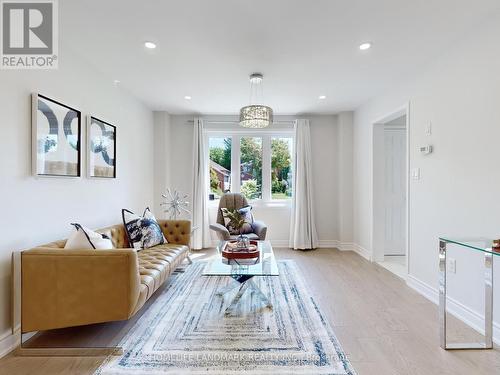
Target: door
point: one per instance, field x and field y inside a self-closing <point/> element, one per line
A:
<point x="395" y="190"/>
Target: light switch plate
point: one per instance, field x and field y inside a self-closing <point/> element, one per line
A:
<point x="452" y="265"/>
<point x="428" y="129"/>
<point x="415" y="173"/>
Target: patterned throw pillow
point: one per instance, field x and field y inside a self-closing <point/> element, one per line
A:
<point x="246" y="214"/>
<point x="143" y="232"/>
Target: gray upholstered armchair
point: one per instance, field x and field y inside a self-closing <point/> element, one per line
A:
<point x="236" y="201"/>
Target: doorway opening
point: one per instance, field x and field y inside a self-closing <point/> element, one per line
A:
<point x="390" y="193"/>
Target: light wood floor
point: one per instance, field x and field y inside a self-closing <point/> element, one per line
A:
<point x="384" y="327"/>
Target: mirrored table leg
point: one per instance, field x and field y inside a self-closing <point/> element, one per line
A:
<point x="442" y="294"/>
<point x="488" y="304"/>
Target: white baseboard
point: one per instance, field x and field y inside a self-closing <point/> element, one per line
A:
<point x="274" y="243"/>
<point x="285" y="243"/>
<point x="470" y="317"/>
<point x="328" y="244"/>
<point x="362" y="252"/>
<point x="423" y="288"/>
<point x="279" y="243"/>
<point x="322" y="244"/>
<point x="346" y="246"/>
<point x="8" y="343"/>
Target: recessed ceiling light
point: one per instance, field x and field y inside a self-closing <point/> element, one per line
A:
<point x="365" y="46"/>
<point x="187" y="97"/>
<point x="322" y="97"/>
<point x="150" y="45"/>
<point x="116" y="81"/>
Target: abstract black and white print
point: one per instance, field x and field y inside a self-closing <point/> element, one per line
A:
<point x="101" y="148"/>
<point x="143" y="231"/>
<point x="56" y="138"/>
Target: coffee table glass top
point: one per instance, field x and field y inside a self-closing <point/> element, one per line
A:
<point x="264" y="265"/>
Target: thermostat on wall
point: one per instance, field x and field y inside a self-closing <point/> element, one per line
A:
<point x="426" y="150"/>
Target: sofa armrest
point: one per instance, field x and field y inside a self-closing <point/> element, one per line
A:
<point x="176" y="231"/>
<point x="221" y="231"/>
<point x="64" y="288"/>
<point x="260" y="229"/>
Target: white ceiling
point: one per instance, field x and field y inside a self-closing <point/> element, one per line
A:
<point x="207" y="48"/>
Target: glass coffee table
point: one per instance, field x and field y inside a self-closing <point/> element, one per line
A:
<point x="242" y="271"/>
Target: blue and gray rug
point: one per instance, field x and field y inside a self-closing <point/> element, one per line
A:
<point x="185" y="331"/>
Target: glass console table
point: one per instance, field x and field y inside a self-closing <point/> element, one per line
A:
<point x="484" y="246"/>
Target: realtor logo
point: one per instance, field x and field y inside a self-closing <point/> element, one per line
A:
<point x="29" y="34"/>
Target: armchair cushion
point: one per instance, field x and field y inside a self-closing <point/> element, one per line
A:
<point x="260" y="229"/>
<point x="221" y="231"/>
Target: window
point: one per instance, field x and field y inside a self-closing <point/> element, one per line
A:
<point x="255" y="163"/>
<point x="220" y="166"/>
<point x="251" y="167"/>
<point x="281" y="168"/>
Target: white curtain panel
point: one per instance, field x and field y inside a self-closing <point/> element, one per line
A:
<point x="201" y="235"/>
<point x="303" y="234"/>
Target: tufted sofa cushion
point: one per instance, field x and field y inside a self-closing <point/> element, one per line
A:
<point x="176" y="231"/>
<point x="117" y="234"/>
<point x="157" y="263"/>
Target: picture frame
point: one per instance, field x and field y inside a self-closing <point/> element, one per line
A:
<point x="101" y="148"/>
<point x="56" y="138"/>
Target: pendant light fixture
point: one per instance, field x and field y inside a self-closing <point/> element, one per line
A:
<point x="256" y="115"/>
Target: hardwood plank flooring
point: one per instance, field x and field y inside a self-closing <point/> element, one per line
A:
<point x="384" y="327"/>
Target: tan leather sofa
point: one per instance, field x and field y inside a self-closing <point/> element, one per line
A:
<point x="65" y="288"/>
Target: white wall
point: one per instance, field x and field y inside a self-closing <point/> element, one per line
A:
<point x="457" y="194"/>
<point x="326" y="143"/>
<point x="325" y="156"/>
<point x="36" y="211"/>
<point x="345" y="179"/>
<point x="161" y="157"/>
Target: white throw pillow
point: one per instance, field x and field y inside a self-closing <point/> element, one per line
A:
<point x="83" y="238"/>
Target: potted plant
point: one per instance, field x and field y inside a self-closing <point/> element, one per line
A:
<point x="237" y="221"/>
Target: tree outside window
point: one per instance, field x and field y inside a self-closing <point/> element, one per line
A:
<point x="281" y="168"/>
<point x="251" y="167"/>
<point x="220" y="166"/>
<point x="249" y="150"/>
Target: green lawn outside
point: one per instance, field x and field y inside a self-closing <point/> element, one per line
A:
<point x="280" y="196"/>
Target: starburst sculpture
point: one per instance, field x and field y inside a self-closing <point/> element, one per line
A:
<point x="175" y="204"/>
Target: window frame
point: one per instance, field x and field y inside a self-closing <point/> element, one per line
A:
<point x="266" y="135"/>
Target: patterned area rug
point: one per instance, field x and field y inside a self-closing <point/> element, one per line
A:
<point x="185" y="331"/>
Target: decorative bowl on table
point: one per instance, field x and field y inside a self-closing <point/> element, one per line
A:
<point x="496" y="246"/>
<point x="242" y="242"/>
<point x="231" y="250"/>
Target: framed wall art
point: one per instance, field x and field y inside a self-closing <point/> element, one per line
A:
<point x="56" y="138"/>
<point x="101" y="148"/>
